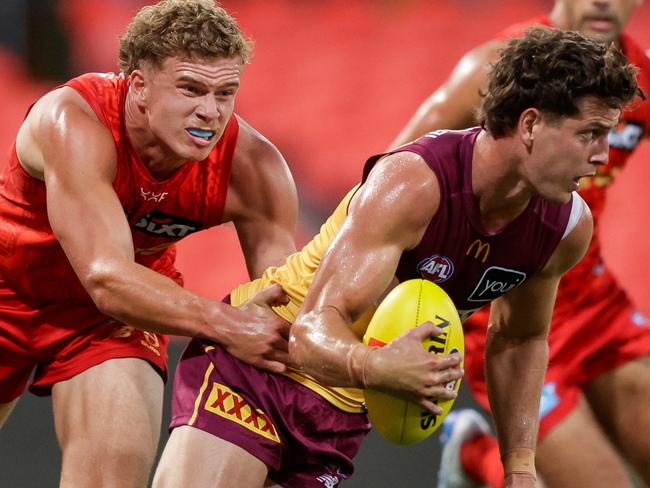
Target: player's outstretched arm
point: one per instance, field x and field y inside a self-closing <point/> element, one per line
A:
<point x="516" y="352"/>
<point x="453" y="105"/>
<point x="388" y="215"/>
<point x="63" y="143"/>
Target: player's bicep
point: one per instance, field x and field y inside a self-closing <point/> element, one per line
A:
<point x="387" y="216"/>
<point x="78" y="168"/>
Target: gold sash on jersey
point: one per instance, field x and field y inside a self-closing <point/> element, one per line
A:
<point x="296" y="277"/>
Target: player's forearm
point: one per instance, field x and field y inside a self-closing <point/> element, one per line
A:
<point x="146" y="299"/>
<point x="323" y="345"/>
<point x="515" y="369"/>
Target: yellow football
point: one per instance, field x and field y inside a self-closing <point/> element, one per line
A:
<point x="408" y="305"/>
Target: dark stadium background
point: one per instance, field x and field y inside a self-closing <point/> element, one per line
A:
<point x="332" y="81"/>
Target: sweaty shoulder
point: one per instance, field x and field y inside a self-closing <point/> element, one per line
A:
<point x="252" y="146"/>
<point x="54" y="120"/>
<point x="256" y="161"/>
<point x="260" y="176"/>
<point x="454" y="104"/>
<point x="400" y="187"/>
<point x="479" y="58"/>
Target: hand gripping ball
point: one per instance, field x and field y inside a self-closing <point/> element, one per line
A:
<point x="408" y="305"/>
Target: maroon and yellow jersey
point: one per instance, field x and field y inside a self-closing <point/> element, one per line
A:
<point x="159" y="212"/>
<point x="634" y="124"/>
<point x="472" y="265"/>
<point x="455" y="251"/>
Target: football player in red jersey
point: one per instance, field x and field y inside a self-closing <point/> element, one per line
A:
<point x="598" y="383"/>
<point x="107" y="173"/>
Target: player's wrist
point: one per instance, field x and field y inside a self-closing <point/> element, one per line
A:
<point x="519" y="461"/>
<point x="218" y="321"/>
<point x="357" y="364"/>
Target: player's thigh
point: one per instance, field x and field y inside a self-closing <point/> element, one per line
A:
<point x="195" y="458"/>
<point x="110" y="413"/>
<point x="576" y="452"/>
<point x="5" y="410"/>
<point x="621" y="401"/>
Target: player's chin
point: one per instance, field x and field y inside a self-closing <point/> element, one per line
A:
<point x="195" y="153"/>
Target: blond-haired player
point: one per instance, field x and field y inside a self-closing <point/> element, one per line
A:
<point x="107" y="173"/>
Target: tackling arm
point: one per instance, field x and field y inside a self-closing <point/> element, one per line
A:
<point x="78" y="160"/>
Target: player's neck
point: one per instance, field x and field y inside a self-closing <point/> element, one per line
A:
<point x="159" y="163"/>
<point x="501" y="192"/>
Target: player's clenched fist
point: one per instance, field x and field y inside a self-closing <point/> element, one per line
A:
<point x="260" y="336"/>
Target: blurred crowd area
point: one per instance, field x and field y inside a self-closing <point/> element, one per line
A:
<point x="331" y="82"/>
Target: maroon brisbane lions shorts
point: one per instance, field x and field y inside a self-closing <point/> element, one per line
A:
<point x="303" y="439"/>
<point x="60" y="340"/>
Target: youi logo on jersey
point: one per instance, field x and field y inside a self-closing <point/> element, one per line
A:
<point x="436" y="268"/>
<point x="495" y="282"/>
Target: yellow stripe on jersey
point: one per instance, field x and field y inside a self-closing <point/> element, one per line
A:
<point x="296" y="277"/>
<point x="204" y="386"/>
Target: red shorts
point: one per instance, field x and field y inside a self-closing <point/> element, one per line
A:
<point x="61" y="340"/>
<point x="305" y="441"/>
<point x="598" y="337"/>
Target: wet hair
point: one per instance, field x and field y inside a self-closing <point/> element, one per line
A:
<point x="190" y="29"/>
<point x="552" y="70"/>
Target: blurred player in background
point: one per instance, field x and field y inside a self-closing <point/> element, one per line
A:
<point x="107" y="173"/>
<point x="597" y="389"/>
<point x="455" y="207"/>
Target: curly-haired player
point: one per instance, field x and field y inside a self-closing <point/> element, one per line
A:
<point x="454" y="207"/>
<point x="593" y="409"/>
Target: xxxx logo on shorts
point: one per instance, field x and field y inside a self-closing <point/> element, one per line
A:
<point x="228" y="404"/>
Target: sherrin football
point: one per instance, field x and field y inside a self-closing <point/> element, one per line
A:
<point x="408" y="305"/>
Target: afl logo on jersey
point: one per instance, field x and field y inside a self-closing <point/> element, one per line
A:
<point x="436" y="268"/>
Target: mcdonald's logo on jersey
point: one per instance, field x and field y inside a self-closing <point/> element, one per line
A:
<point x="480" y="249"/>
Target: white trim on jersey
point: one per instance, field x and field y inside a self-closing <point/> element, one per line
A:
<point x="578" y="209"/>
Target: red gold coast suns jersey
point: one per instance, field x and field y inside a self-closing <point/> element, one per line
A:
<point x="473" y="267"/>
<point x="634" y="124"/>
<point x="159" y="212"/>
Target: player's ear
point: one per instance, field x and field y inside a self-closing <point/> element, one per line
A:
<point x="528" y="122"/>
<point x="137" y="84"/>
